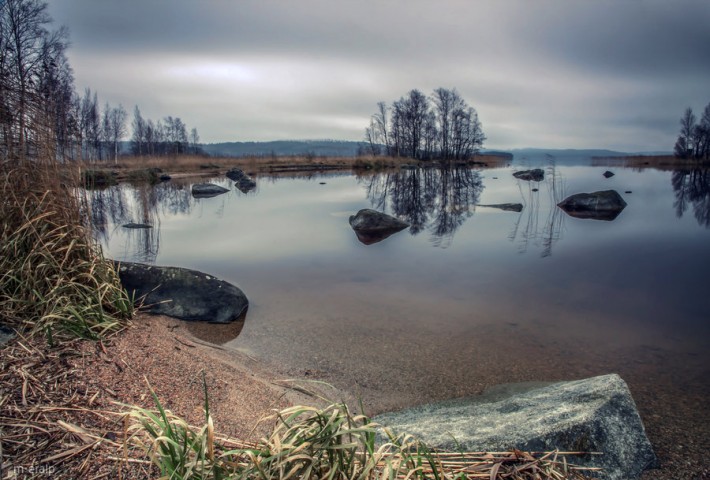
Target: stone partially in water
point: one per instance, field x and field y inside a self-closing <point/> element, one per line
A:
<point x="372" y="226"/>
<point x="535" y="175"/>
<point x="241" y="180"/>
<point x="603" y="205"/>
<point x="608" y="174"/>
<point x="508" y="207"/>
<point x="182" y="293"/>
<point x="592" y="415"/>
<point x="206" y="190"/>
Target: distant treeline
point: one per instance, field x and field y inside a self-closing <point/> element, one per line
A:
<point x="306" y="148"/>
<point x="442" y="126"/>
<point x="694" y="138"/>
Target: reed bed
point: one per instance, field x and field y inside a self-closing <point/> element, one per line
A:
<point x="325" y="443"/>
<point x="53" y="278"/>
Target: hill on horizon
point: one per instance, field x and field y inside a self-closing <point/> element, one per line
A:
<point x="349" y="148"/>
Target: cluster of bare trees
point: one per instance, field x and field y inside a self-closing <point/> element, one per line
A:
<point x="36" y="83"/>
<point x="97" y="133"/>
<point x="442" y="126"/>
<point x="164" y="137"/>
<point x="41" y="115"/>
<point x="694" y="138"/>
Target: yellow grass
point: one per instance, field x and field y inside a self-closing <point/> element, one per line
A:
<point x="266" y="164"/>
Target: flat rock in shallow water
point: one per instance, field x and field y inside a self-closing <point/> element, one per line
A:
<point x="603" y="205"/>
<point x="182" y="293"/>
<point x="508" y="207"/>
<point x="591" y="415"/>
<point x="137" y="225"/>
<point x="205" y="190"/>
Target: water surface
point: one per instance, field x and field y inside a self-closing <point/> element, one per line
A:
<point x="469" y="296"/>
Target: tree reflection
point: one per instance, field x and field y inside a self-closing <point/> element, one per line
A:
<point x="437" y="199"/>
<point x="692" y="188"/>
<point x="111" y="208"/>
<point x="528" y="228"/>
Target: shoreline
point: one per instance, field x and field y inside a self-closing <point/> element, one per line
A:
<point x="169" y="356"/>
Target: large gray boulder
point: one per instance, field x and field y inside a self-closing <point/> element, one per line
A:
<point x="182" y="293"/>
<point x="535" y="175"/>
<point x="592" y="415"/>
<point x="603" y="205"/>
<point x="372" y="226"/>
<point x="206" y="190"/>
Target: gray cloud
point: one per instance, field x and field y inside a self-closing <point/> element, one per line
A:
<point x="550" y="74"/>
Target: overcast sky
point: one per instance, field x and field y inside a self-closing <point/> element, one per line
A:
<point x="558" y="74"/>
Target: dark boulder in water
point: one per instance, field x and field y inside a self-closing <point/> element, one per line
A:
<point x="206" y="190"/>
<point x="603" y="205"/>
<point x="241" y="180"/>
<point x="535" y="175"/>
<point x="608" y="174"/>
<point x="372" y="226"/>
<point x="182" y="293"/>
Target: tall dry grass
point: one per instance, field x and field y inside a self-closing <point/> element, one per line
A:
<point x="324" y="443"/>
<point x="53" y="277"/>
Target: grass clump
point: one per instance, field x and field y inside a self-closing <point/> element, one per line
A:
<point x="53" y="278"/>
<point x="322" y="443"/>
<point x="98" y="178"/>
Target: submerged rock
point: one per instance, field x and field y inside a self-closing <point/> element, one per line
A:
<point x="592" y="415"/>
<point x="535" y="175"/>
<point x="182" y="293"/>
<point x="603" y="205"/>
<point x="508" y="207"/>
<point x="137" y="225"/>
<point x="206" y="190"/>
<point x="372" y="226"/>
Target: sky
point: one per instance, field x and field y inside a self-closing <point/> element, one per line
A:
<point x="611" y="74"/>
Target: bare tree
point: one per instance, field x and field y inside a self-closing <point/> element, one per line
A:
<point x="117" y="128"/>
<point x="194" y="141"/>
<point x="35" y="81"/>
<point x="139" y="130"/>
<point x="684" y="146"/>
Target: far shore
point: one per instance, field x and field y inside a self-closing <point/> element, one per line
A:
<point x="195" y="165"/>
<point x="659" y="162"/>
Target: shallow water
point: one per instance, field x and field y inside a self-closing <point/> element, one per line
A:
<point x="468" y="297"/>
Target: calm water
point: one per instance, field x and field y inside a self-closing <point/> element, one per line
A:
<point x="467" y="297"/>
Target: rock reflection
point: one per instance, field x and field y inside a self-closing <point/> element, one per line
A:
<point x="435" y="199"/>
<point x="692" y="188"/>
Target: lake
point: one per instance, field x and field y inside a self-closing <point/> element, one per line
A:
<point x="468" y="296"/>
